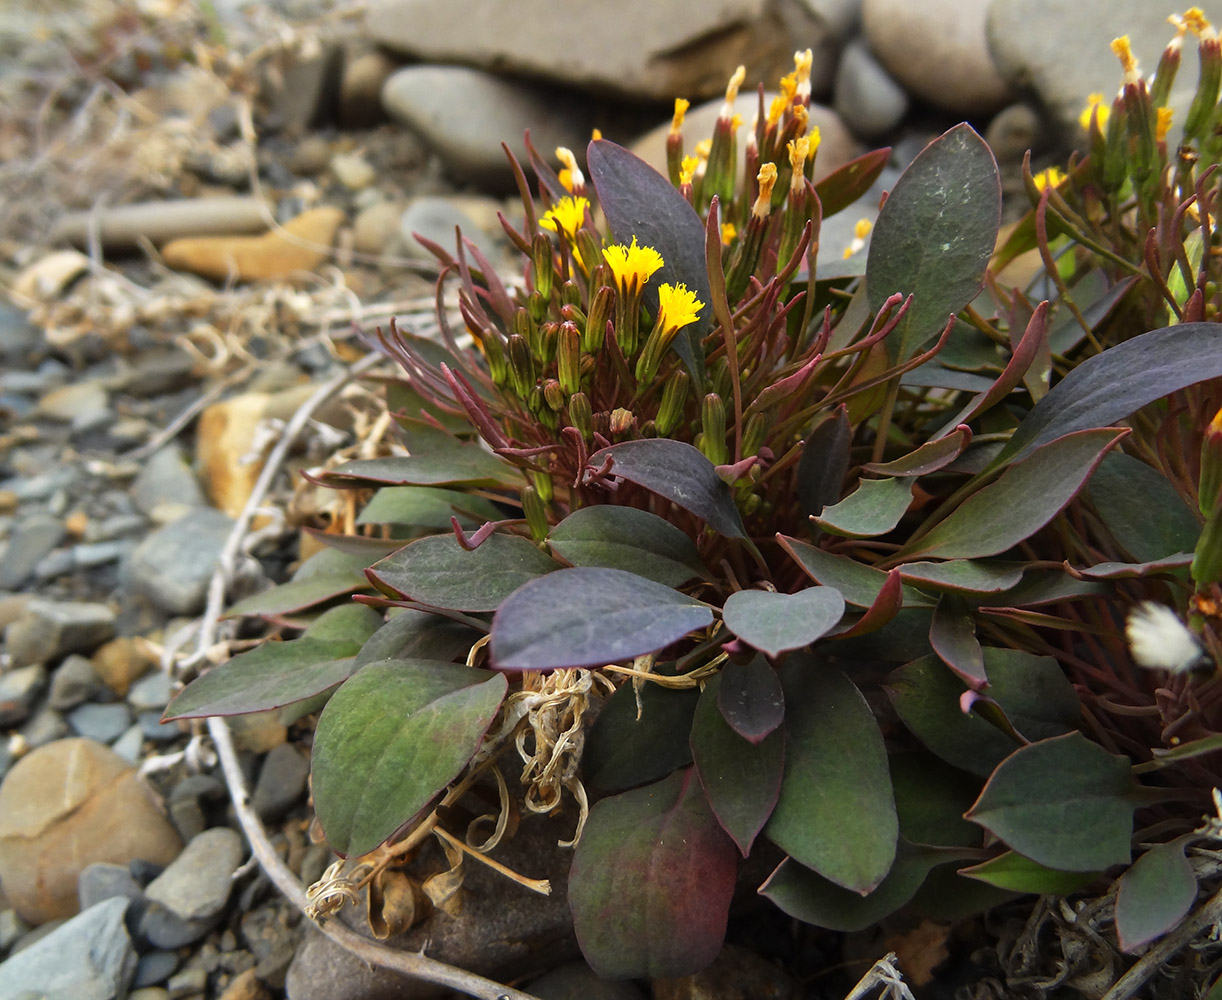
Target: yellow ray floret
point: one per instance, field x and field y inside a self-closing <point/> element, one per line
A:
<point x="566" y="216"/>
<point x="1094" y="106"/>
<point x="571" y="176"/>
<point x="632" y="265"/>
<point x="1163" y="124"/>
<point x="677" y="306"/>
<point x="1128" y="62"/>
<point x="1050" y="178"/>
<point x="676" y="122"/>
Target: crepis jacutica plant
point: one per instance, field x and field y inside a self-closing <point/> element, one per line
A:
<point x="719" y="544"/>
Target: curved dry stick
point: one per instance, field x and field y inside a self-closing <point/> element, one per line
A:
<point x="408" y="963"/>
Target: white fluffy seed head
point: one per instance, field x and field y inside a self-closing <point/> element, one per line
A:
<point x="1159" y="640"/>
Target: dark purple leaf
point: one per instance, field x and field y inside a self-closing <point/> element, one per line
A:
<point x="824" y="462"/>
<point x="629" y="539"/>
<point x="623" y="750"/>
<point x="751" y="699"/>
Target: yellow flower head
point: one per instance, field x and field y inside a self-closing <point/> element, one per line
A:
<point x="802" y="62"/>
<point x="736" y="122"/>
<point x="571" y="176"/>
<point x="687" y="169"/>
<point x="677" y="307"/>
<point x="1194" y="20"/>
<point x="1163" y="124"/>
<point x="1094" y="106"/>
<point x="632" y="265"/>
<point x="789" y="86"/>
<point x="799" y="149"/>
<point x="596" y="134"/>
<point x="736" y="81"/>
<point x="728" y="232"/>
<point x="1050" y="178"/>
<point x="566" y="216"/>
<point x="676" y="122"/>
<point x="1128" y="62"/>
<point x="861" y="229"/>
<point x="703" y="148"/>
<point x="767" y="181"/>
<point x="776" y="109"/>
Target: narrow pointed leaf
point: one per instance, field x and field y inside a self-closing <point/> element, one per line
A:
<point x="1112" y="385"/>
<point x="751" y="698"/>
<point x="390" y="739"/>
<point x="463" y="464"/>
<point x="874" y="508"/>
<point x="836" y="813"/>
<point x="680" y="473"/>
<point x="1024" y="498"/>
<point x="934" y="236"/>
<point x="953" y="637"/>
<point x="774" y="622"/>
<point x="628" y="539"/>
<point x="929" y="457"/>
<point x="589" y="616"/>
<point x="1014" y="872"/>
<point x="963" y="576"/>
<point x="1134" y="571"/>
<point x="651" y="882"/>
<point x="858" y="583"/>
<point x="844" y="185"/>
<point x="1154" y="895"/>
<point x="437" y="571"/>
<point x="741" y="780"/>
<point x="1064" y="802"/>
<point x="886" y="606"/>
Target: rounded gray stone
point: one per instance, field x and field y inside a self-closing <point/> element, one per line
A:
<point x="48" y="630"/>
<point x="104" y="723"/>
<point x="866" y="96"/>
<point x="196" y="884"/>
<point x="174" y="565"/>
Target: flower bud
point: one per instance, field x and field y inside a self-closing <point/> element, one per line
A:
<point x="521" y="366"/>
<point x="1205" y="100"/>
<point x="536" y="513"/>
<point x="549" y="332"/>
<point x="553" y="395"/>
<point x="581" y="416"/>
<point x="753" y="434"/>
<point x="713" y="424"/>
<point x="1207" y="559"/>
<point x="621" y="420"/>
<point x="1210" y="486"/>
<point x="542" y="482"/>
<point x="588" y="251"/>
<point x="494" y="355"/>
<point x="568" y="357"/>
<point x="674" y="395"/>
<point x="570" y="294"/>
<point x="601" y="306"/>
<point x="537" y="305"/>
<point x="541" y="258"/>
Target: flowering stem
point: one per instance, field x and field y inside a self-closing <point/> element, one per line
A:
<point x="721" y="309"/>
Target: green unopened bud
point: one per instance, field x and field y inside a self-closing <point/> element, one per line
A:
<point x="494" y="354"/>
<point x="588" y="367"/>
<point x="570" y="294"/>
<point x="543" y="484"/>
<point x="521" y="366"/>
<point x="601" y="306"/>
<point x="548" y="334"/>
<point x="1207" y="560"/>
<point x="538" y="306"/>
<point x="1164" y="75"/>
<point x="553" y="395"/>
<point x="581" y="416"/>
<point x="536" y="513"/>
<point x="524" y="326"/>
<point x="1205" y="100"/>
<point x="573" y="314"/>
<point x="713" y="425"/>
<point x="1209" y="490"/>
<point x="621" y="420"/>
<point x="674" y="396"/>
<point x="589" y="249"/>
<point x="753" y="434"/>
<point x="568" y="357"/>
<point x="541" y="258"/>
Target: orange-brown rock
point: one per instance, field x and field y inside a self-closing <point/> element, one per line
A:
<point x="121" y="661"/>
<point x="300" y="245"/>
<point x="63" y="807"/>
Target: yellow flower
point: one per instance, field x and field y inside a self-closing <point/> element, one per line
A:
<point x="1128" y="62"/>
<point x="776" y="109"/>
<point x="676" y="122"/>
<point x="566" y="216"/>
<point x="728" y="232"/>
<point x="767" y="180"/>
<point x="571" y="176"/>
<point x="703" y="148"/>
<point x="687" y="169"/>
<point x="1050" y="178"/>
<point x="1193" y="19"/>
<point x="677" y="306"/>
<point x="861" y="229"/>
<point x="1094" y="106"/>
<point x="596" y="134"/>
<point x="1163" y="125"/>
<point x="736" y="81"/>
<point x="802" y="62"/>
<point x="632" y="265"/>
<point x="799" y="149"/>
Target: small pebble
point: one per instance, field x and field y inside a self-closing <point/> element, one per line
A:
<point x="72" y="683"/>
<point x="187" y="982"/>
<point x="104" y="723"/>
<point x="155" y="967"/>
<point x="152" y="691"/>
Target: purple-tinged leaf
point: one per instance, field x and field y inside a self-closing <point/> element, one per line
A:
<point x="1042" y="586"/>
<point x="741" y="780"/>
<point x="809" y="897"/>
<point x="427" y="507"/>
<point x="436" y="570"/>
<point x="858" y="583"/>
<point x="934" y="236"/>
<point x="929" y="457"/>
<point x="390" y="739"/>
<point x="836" y="813"/>
<point x="1135" y="571"/>
<point x="623" y="750"/>
<point x="326" y="575"/>
<point x="963" y="576"/>
<point x="930" y="800"/>
<point x="462" y="464"/>
<point x="952" y="633"/>
<point x="1124" y="491"/>
<point x="1063" y="802"/>
<point x="680" y="473"/>
<point x="874" y="508"/>
<point x="824" y="462"/>
<point x="1018" y="874"/>
<point x="773" y="622"/>
<point x="886" y="606"/>
<point x="651" y="882"/>
<point x="629" y="539"/>
<point x="1112" y="385"/>
<point x="1155" y="894"/>
<point x="844" y="185"/>
<point x="588" y="616"/>
<point x="1165" y="756"/>
<point x="751" y="699"/>
<point x="1024" y="498"/>
<point x="418" y="635"/>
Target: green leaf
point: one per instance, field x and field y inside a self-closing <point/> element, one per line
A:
<point x="934" y="236"/>
<point x="1134" y="571"/>
<point x="1112" y="385"/>
<point x="640" y="202"/>
<point x="1018" y="874"/>
<point x="774" y="622"/>
<point x="742" y="780"/>
<point x="953" y="637"/>
<point x="623" y="751"/>
<point x="437" y="571"/>
<point x="844" y="185"/>
<point x="929" y="457"/>
<point x="1141" y="509"/>
<point x="836" y="813"/>
<point x="1031" y="690"/>
<point x="390" y="740"/>
<point x="628" y="539"/>
<point x="427" y="507"/>
<point x="680" y="473"/>
<point x="824" y="462"/>
<point x="751" y="699"/>
<point x="857" y="583"/>
<point x="874" y="508"/>
<point x="1064" y="802"/>
<point x="964" y="576"/>
<point x="1155" y="894"/>
<point x="588" y="616"/>
<point x="809" y="897"/>
<point x="280" y="673"/>
<point x="323" y="577"/>
<point x="418" y="635"/>
<point x="651" y="882"/>
<point x="1024" y="498"/>
<point x="462" y="464"/>
<point x="930" y="800"/>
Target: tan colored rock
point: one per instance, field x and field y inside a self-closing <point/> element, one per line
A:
<point x="121" y="661"/>
<point x="63" y="807"/>
<point x="258" y="732"/>
<point x="123" y="226"/>
<point x="245" y="986"/>
<point x="300" y="245"/>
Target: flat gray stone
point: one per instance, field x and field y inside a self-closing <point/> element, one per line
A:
<point x="867" y="97"/>
<point x="165" y="478"/>
<point x="174" y="565"/>
<point x="33" y="537"/>
<point x="48" y="630"/>
<point x="151" y="691"/>
<point x="281" y="783"/>
<point x="73" y="682"/>
<point x="104" y="723"/>
<point x="435" y="217"/>
<point x="19" y="690"/>
<point x="122" y="226"/>
<point x="196" y="884"/>
<point x="88" y="958"/>
<point x="102" y="880"/>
